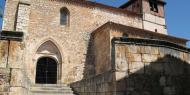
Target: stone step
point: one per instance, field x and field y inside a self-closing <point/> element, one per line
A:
<point x="51" y="89"/>
<point x="52" y="85"/>
<point x="52" y="93"/>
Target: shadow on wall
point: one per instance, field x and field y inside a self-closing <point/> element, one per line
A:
<point x="89" y="69"/>
<point x="166" y="76"/>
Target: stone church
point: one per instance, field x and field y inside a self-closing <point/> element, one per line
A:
<point x="80" y="47"/>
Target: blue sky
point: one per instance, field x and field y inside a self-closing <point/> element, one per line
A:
<point x="177" y="15"/>
<point x="1" y="6"/>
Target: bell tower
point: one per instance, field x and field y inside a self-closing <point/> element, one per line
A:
<point x="152" y="11"/>
<point x="154" y="16"/>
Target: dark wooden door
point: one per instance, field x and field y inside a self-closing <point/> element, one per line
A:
<point x="46" y="71"/>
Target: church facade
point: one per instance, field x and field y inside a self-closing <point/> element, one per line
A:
<point x="92" y="48"/>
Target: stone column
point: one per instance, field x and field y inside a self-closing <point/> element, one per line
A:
<point x="19" y="83"/>
<point x="10" y="15"/>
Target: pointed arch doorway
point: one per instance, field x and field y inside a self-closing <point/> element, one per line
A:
<point x="48" y="64"/>
<point x="46" y="71"/>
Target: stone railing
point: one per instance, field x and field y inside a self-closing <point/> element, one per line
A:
<point x="151" y="42"/>
<point x="97" y="85"/>
<point x="142" y="67"/>
<point x="151" y="67"/>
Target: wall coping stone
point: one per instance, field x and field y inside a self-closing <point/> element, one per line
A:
<point x="150" y="42"/>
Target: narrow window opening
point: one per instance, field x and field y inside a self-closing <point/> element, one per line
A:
<point x="63" y="20"/>
<point x="156" y="30"/>
<point x="64" y="16"/>
<point x="153" y="5"/>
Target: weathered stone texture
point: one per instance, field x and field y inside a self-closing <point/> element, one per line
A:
<point x="159" y="72"/>
<point x="19" y="91"/>
<point x="3" y="53"/>
<point x="44" y="24"/>
<point x="10" y="15"/>
<point x="146" y="8"/>
<point x="15" y="59"/>
<point x="40" y="22"/>
<point x="135" y="6"/>
<point x="101" y="45"/>
<point x="100" y="66"/>
<point x="4" y="81"/>
<point x="23" y="18"/>
<point x="102" y="84"/>
<point x="154" y="21"/>
<point x="18" y="78"/>
<point x="155" y="27"/>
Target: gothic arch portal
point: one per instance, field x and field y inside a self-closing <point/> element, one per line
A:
<point x="49" y="56"/>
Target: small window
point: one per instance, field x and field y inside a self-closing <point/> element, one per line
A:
<point x="153" y="5"/>
<point x="63" y="19"/>
<point x="156" y="30"/>
<point x="64" y="16"/>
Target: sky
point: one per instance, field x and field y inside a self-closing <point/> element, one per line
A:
<point x="177" y="14"/>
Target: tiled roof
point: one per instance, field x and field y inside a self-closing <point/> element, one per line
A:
<point x="95" y="5"/>
<point x="131" y="1"/>
<point x="140" y="32"/>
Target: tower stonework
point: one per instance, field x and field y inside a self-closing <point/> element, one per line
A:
<point x="48" y="47"/>
<point x="153" y="14"/>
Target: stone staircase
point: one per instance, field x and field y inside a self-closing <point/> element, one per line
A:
<point x="51" y="89"/>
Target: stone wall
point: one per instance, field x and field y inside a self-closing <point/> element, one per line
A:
<point x="12" y="74"/>
<point x="43" y="19"/>
<point x="4" y="81"/>
<point x="16" y="19"/>
<point x="154" y="21"/>
<point x="151" y="70"/>
<point x="102" y="84"/>
<point x="146" y="8"/>
<point x="102" y="49"/>
<point x="4" y="71"/>
<point x="135" y="6"/>
<point x="3" y="53"/>
<point x="141" y="70"/>
<point x="40" y="22"/>
<point x="135" y="65"/>
<point x="139" y="65"/>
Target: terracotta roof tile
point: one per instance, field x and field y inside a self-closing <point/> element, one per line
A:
<point x="140" y="32"/>
<point x="131" y="1"/>
<point x="95" y="5"/>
